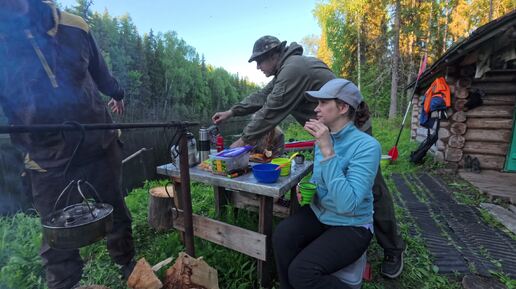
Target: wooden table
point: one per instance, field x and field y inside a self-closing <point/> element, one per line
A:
<point x="240" y="191"/>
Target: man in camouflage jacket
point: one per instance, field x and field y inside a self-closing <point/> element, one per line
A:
<point x="51" y="71"/>
<point x="285" y="94"/>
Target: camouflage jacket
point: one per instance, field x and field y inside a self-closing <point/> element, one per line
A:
<point x="51" y="72"/>
<point x="284" y="94"/>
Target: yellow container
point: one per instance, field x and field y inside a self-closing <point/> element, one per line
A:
<point x="285" y="171"/>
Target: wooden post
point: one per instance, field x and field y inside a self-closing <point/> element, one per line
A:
<point x="265" y="227"/>
<point x="179" y="197"/>
<point x="221" y="199"/>
<point x="184" y="168"/>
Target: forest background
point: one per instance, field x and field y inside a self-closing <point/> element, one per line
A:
<point x="378" y="44"/>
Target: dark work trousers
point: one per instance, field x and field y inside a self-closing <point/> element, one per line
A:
<point x="64" y="267"/>
<point x="385" y="227"/>
<point x="307" y="251"/>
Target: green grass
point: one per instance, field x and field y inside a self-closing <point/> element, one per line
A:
<point x="20" y="237"/>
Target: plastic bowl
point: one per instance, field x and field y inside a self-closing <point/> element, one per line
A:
<point x="285" y="171"/>
<point x="266" y="173"/>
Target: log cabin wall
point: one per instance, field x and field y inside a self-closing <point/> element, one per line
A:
<point x="483" y="132"/>
<point x="489" y="127"/>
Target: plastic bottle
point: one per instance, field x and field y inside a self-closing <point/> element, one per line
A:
<point x="192" y="150"/>
<point x="204" y="144"/>
<point x="220" y="143"/>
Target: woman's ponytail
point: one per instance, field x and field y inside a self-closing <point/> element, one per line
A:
<point x="362" y="114"/>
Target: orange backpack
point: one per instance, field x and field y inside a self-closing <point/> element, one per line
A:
<point x="437" y="97"/>
<point x="439" y="88"/>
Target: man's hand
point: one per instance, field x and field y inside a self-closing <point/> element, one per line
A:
<point x="116" y="106"/>
<point x="322" y="135"/>
<point x="221" y="116"/>
<point x="238" y="143"/>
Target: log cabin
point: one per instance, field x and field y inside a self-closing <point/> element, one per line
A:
<point x="483" y="65"/>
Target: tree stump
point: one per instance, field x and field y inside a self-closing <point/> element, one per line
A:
<point x="161" y="216"/>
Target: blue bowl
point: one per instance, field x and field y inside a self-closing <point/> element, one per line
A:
<point x="266" y="173"/>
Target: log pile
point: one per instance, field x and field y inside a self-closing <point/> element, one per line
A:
<point x="483" y="132"/>
<point x="186" y="273"/>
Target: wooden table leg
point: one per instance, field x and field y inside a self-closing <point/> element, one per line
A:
<point x="179" y="196"/>
<point x="265" y="227"/>
<point x="221" y="200"/>
<point x="294" y="204"/>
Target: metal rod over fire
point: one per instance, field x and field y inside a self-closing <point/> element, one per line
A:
<point x="183" y="149"/>
<point x="40" y="128"/>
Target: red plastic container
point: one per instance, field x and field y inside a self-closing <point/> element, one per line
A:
<point x="220" y="143"/>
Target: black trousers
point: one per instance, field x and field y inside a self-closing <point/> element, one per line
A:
<point x="63" y="268"/>
<point x="307" y="252"/>
<point x="385" y="227"/>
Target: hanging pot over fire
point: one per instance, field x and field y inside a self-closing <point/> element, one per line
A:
<point x="77" y="225"/>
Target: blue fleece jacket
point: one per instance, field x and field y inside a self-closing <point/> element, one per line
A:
<point x="344" y="181"/>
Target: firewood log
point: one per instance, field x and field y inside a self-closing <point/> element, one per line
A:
<point x="189" y="273"/>
<point x="143" y="277"/>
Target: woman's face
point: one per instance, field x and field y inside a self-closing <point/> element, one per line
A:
<point x="328" y="111"/>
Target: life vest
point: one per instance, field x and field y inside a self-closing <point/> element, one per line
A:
<point x="437" y="97"/>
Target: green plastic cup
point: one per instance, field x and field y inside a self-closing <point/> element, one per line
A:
<point x="307" y="191"/>
<point x="285" y="171"/>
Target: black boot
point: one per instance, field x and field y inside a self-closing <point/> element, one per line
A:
<point x="467" y="163"/>
<point x="127" y="269"/>
<point x="475" y="165"/>
<point x="392" y="266"/>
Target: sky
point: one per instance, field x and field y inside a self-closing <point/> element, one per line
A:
<point x="223" y="30"/>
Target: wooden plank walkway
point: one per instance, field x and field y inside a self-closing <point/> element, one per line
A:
<point x="494" y="184"/>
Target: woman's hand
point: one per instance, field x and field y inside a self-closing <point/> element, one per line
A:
<point x="298" y="194"/>
<point x="322" y="135"/>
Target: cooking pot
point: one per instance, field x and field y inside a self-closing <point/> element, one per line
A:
<point x="77" y="225"/>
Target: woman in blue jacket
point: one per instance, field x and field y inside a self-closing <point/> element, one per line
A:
<point x="335" y="230"/>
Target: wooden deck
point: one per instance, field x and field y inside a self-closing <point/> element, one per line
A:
<point x="495" y="184"/>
